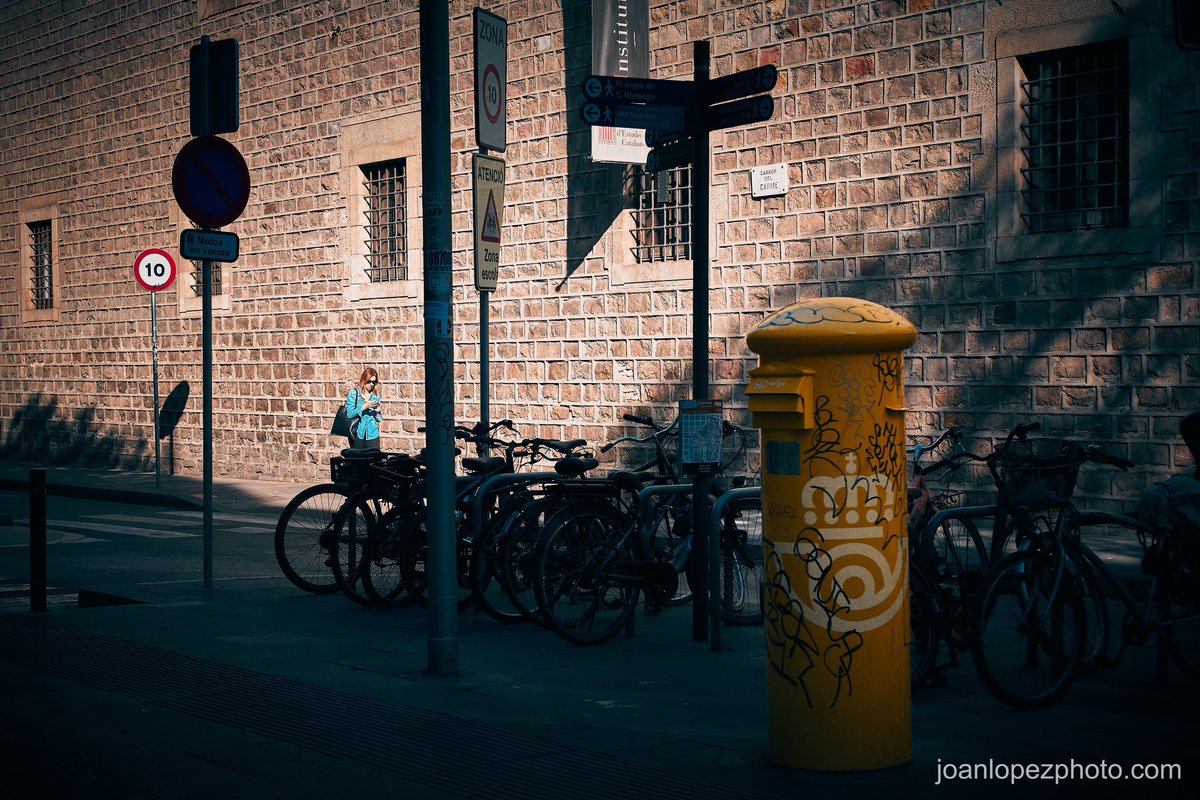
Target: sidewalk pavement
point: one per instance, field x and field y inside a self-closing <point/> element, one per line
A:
<point x="253" y="689"/>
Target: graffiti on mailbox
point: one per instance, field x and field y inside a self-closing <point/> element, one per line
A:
<point x="849" y="314"/>
<point x="849" y="549"/>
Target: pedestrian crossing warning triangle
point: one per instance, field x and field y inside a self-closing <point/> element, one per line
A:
<point x="491" y="221"/>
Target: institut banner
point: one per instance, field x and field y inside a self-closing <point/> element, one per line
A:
<point x="621" y="47"/>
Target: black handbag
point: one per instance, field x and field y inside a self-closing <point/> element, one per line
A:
<point x="343" y="426"/>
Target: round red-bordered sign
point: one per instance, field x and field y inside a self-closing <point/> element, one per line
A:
<point x="493" y="93"/>
<point x="154" y="269"/>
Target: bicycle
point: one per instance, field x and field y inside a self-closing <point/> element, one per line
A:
<point x="363" y="539"/>
<point x="950" y="557"/>
<point x="594" y="560"/>
<point x="518" y="537"/>
<point x="310" y="514"/>
<point x="1042" y="614"/>
<point x="499" y="500"/>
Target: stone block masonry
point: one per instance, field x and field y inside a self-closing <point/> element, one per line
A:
<point x="887" y="119"/>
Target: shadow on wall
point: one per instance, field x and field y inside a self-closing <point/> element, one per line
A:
<point x="37" y="433"/>
<point x="168" y="419"/>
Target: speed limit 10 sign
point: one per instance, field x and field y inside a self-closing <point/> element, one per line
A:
<point x="491" y="80"/>
<point x="154" y="269"/>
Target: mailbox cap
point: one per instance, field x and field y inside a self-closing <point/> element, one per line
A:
<point x="826" y="325"/>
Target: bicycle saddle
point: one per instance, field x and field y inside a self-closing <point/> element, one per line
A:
<point x="563" y="446"/>
<point x="631" y="481"/>
<point x="484" y="466"/>
<point x="574" y="466"/>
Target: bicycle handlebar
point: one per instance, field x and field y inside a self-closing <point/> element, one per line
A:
<point x="657" y="432"/>
<point x="1094" y="453"/>
<point x="954" y="460"/>
<point x="918" y="451"/>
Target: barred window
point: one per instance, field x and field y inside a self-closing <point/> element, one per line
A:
<point x="662" y="214"/>
<point x="386" y="220"/>
<point x="1075" y="138"/>
<point x="198" y="279"/>
<point x="42" y="264"/>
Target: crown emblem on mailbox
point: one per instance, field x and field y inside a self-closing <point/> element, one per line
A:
<point x="849" y="505"/>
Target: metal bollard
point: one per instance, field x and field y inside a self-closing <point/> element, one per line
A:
<point x="829" y="399"/>
<point x="37" y="540"/>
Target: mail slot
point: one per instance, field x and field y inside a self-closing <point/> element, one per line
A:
<point x="781" y="397"/>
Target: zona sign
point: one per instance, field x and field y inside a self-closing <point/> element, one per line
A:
<point x="154" y="269"/>
<point x="491" y="80"/>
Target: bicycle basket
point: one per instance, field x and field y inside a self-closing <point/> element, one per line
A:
<point x="1039" y="472"/>
<point x="349" y="471"/>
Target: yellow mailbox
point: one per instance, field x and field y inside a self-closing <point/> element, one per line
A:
<point x="829" y="399"/>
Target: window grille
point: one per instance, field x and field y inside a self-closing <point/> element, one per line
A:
<point x="662" y="213"/>
<point x="1075" y="138"/>
<point x="198" y="278"/>
<point x="42" y="266"/>
<point x="387" y="220"/>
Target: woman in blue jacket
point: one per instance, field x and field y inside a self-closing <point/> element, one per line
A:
<point x="362" y="408"/>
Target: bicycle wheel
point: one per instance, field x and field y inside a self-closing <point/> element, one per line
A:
<point x="665" y="541"/>
<point x="956" y="554"/>
<point x="585" y="583"/>
<point x="953" y="558"/>
<point x="348" y="556"/>
<point x="1030" y="630"/>
<point x="924" y="636"/>
<point x="1095" y="606"/>
<point x="414" y="562"/>
<point x="383" y="578"/>
<point x="487" y="578"/>
<point x="515" y="558"/>
<point x="741" y="567"/>
<point x="298" y="545"/>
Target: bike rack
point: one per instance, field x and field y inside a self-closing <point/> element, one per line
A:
<point x="714" y="559"/>
<point x="490" y="484"/>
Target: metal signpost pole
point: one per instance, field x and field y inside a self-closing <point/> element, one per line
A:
<point x="154" y="270"/>
<point x="485" y="404"/>
<point x="207" y="369"/>
<point x="679" y="117"/>
<point x="700" y="257"/>
<point x="154" y="366"/>
<point x="485" y="411"/>
<point x="439" y="339"/>
<point x="211" y="183"/>
<point x="491" y="119"/>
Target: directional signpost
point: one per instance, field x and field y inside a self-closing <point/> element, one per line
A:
<point x="611" y="89"/>
<point x="631" y="115"/>
<point x="678" y="117"/>
<point x="740" y="112"/>
<point x="154" y="270"/>
<point x="671" y="155"/>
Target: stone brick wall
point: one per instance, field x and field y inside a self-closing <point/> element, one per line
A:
<point x="885" y="117"/>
